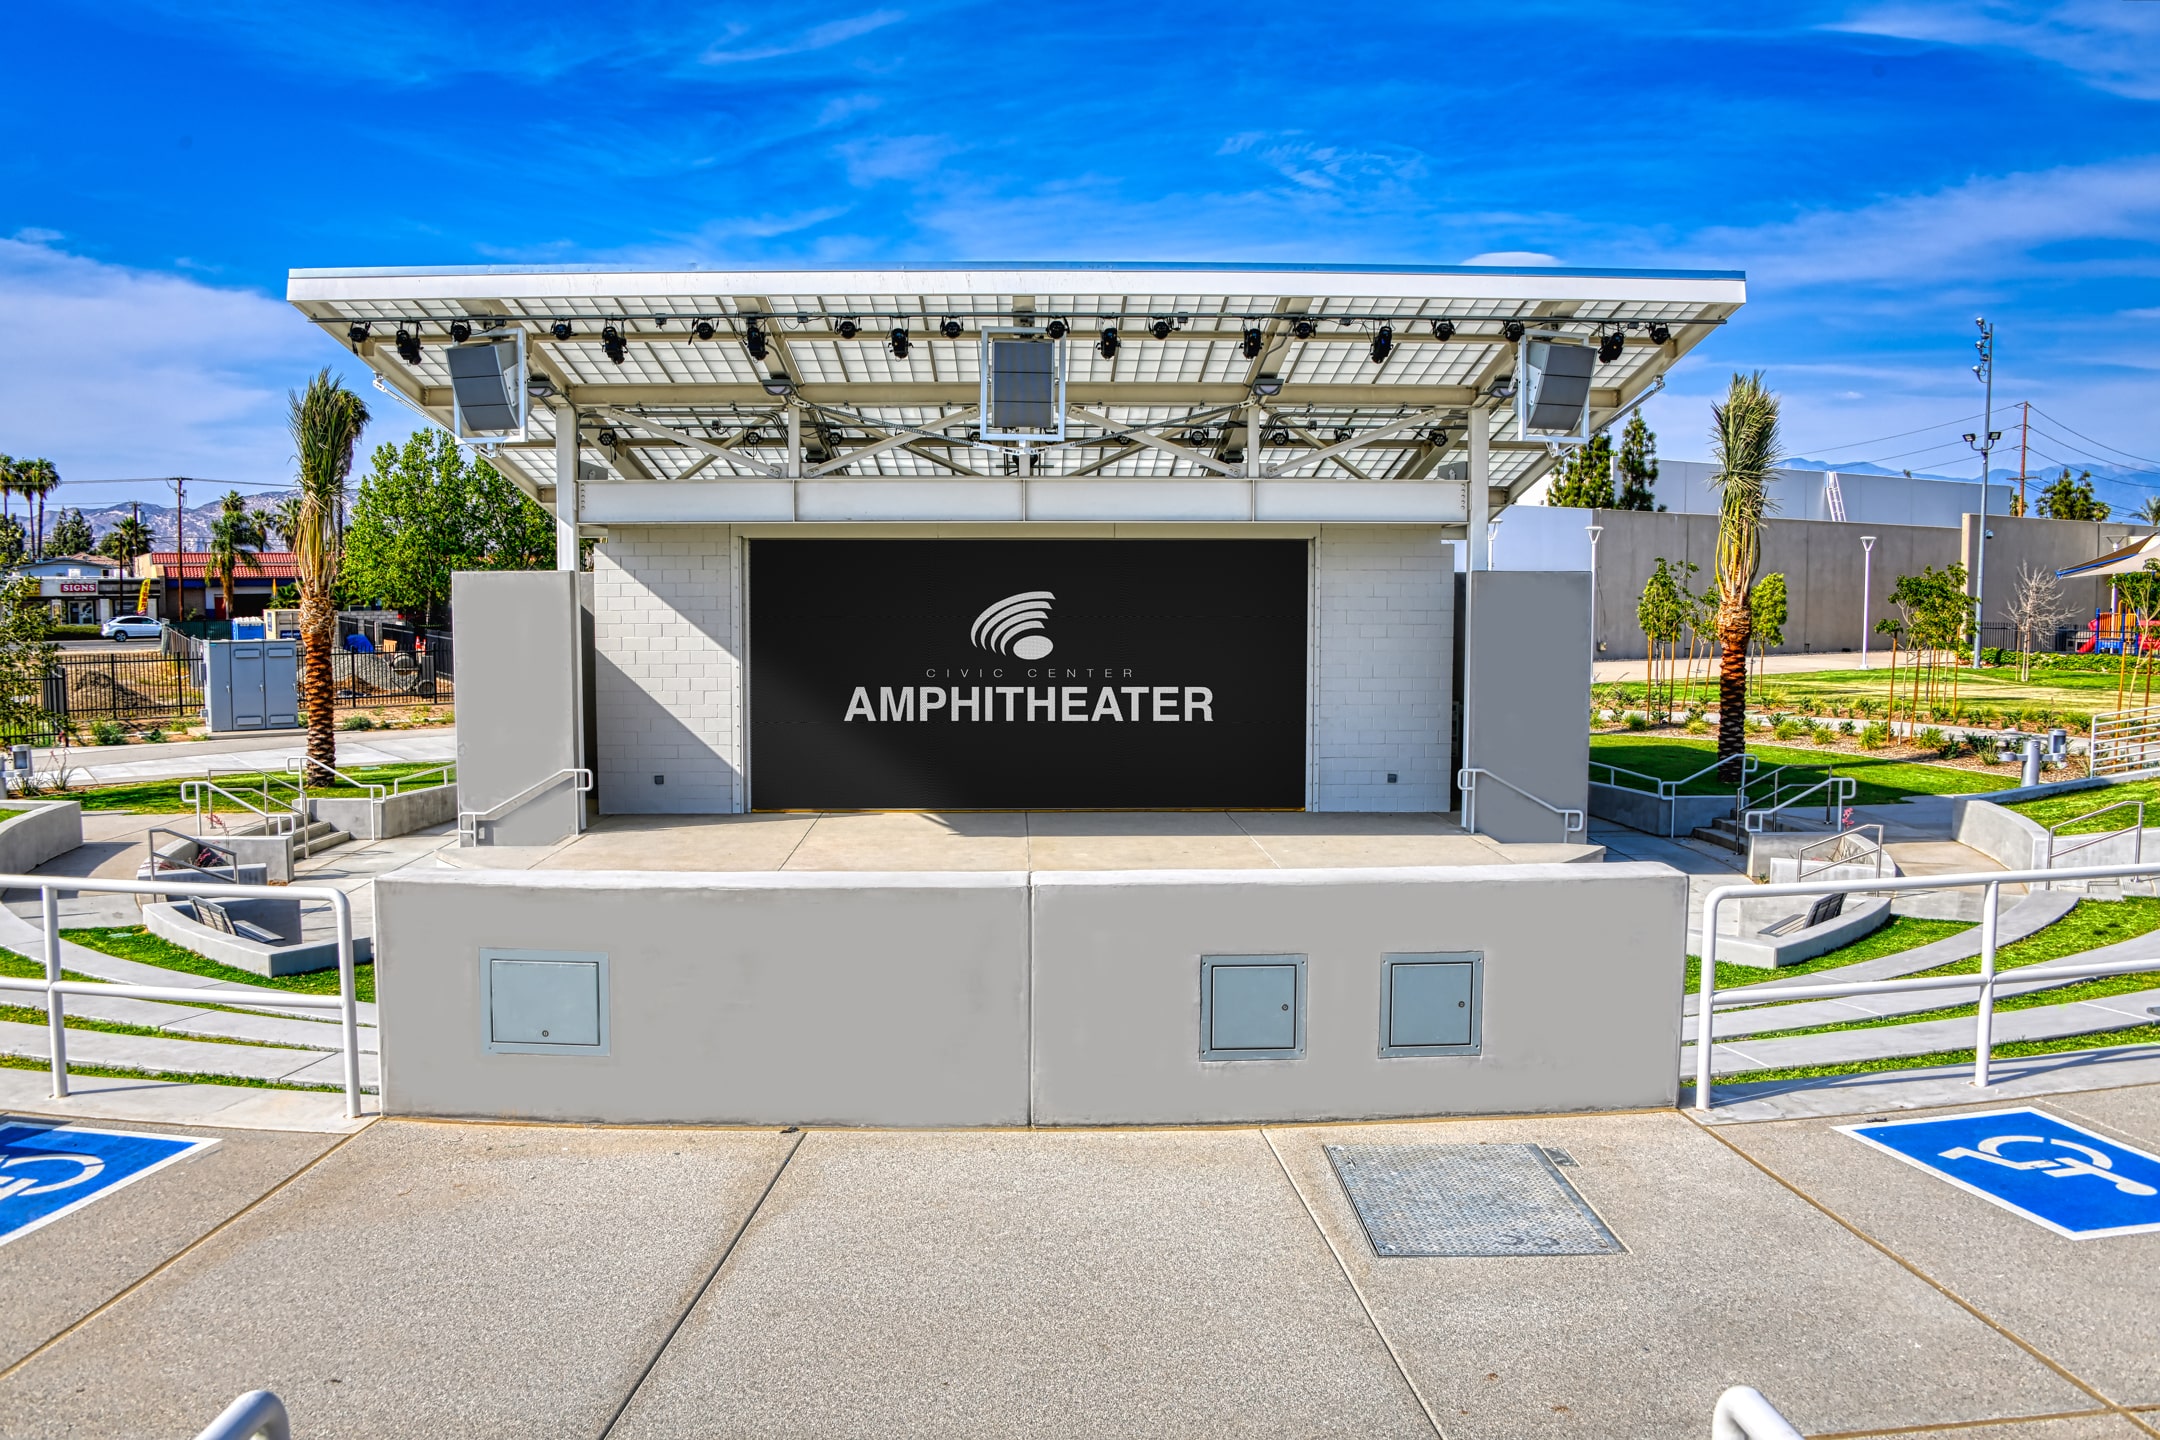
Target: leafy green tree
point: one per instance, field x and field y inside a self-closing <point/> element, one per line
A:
<point x="1663" y="612"/>
<point x="235" y="544"/>
<point x="26" y="653"/>
<point x="126" y="540"/>
<point x="1585" y="478"/>
<point x="14" y="541"/>
<point x="2149" y="512"/>
<point x="2067" y="499"/>
<point x="428" y="510"/>
<point x="1767" y="612"/>
<point x="72" y="535"/>
<point x="1638" y="467"/>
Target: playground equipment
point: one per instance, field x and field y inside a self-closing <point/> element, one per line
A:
<point x="2113" y="632"/>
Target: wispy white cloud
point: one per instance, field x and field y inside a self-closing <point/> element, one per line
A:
<point x="896" y="157"/>
<point x="1513" y="257"/>
<point x="2113" y="45"/>
<point x="725" y="51"/>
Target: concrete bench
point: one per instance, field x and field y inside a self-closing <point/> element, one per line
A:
<point x="1775" y="932"/>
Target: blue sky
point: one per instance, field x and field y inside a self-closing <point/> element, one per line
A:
<point x="1883" y="172"/>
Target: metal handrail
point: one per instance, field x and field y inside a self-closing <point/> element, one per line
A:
<point x="1571" y="821"/>
<point x="470" y="821"/>
<point x="1742" y="1414"/>
<point x="193" y="791"/>
<point x="301" y="764"/>
<point x="444" y="769"/>
<point x="257" y="1413"/>
<point x="2137" y="848"/>
<point x="1837" y="842"/>
<point x="158" y="864"/>
<point x="1990" y="882"/>
<point x="54" y="988"/>
<point x="1839" y="788"/>
<point x="1670" y="789"/>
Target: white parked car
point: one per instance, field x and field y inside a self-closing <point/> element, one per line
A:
<point x="131" y="627"/>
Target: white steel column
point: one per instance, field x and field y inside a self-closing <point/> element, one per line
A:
<point x="794" y="442"/>
<point x="566" y="489"/>
<point x="1480" y="436"/>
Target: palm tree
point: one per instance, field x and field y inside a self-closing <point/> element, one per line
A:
<point x="2149" y="512"/>
<point x="34" y="480"/>
<point x="326" y="422"/>
<point x="235" y="539"/>
<point x="1744" y="443"/>
<point x="281" y="519"/>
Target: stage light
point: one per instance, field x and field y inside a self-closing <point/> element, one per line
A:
<point x="1255" y="342"/>
<point x="611" y="341"/>
<point x="751" y="439"/>
<point x="950" y="329"/>
<point x="849" y="329"/>
<point x="1267" y="385"/>
<point x="1660" y="333"/>
<point x="1437" y="438"/>
<point x="356" y="332"/>
<point x="1343" y="434"/>
<point x="606" y="439"/>
<point x="1056" y="329"/>
<point x="1383" y="344"/>
<point x="1513" y="330"/>
<point x="560" y="329"/>
<point x="1443" y="329"/>
<point x="1302" y="328"/>
<point x="778" y="385"/>
<point x="1160" y="329"/>
<point x="704" y="330"/>
<point x="753" y="340"/>
<point x="1107" y="347"/>
<point x="1609" y="346"/>
<point x="539" y="386"/>
<point x="460" y="331"/>
<point x="898" y="342"/>
<point x="408" y="348"/>
<point x="1199" y="437"/>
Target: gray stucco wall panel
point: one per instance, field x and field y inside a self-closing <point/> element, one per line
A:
<point x="518" y="702"/>
<point x="857" y="999"/>
<point x="1582" y="991"/>
<point x="1526" y="666"/>
<point x="48" y="829"/>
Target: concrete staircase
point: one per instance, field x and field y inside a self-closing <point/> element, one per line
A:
<point x="317" y="836"/>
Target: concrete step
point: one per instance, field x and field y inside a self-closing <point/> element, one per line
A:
<point x="316" y="837"/>
<point x="1723" y="834"/>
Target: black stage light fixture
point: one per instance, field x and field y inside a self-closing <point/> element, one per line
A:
<point x="898" y="342"/>
<point x="539" y="386"/>
<point x="1609" y="346"/>
<point x="1383" y="344"/>
<point x="611" y="341"/>
<point x="1660" y="332"/>
<point x="1344" y="433"/>
<point x="1443" y="329"/>
<point x="1278" y="438"/>
<point x="1201" y="436"/>
<point x="1160" y="329"/>
<point x="751" y="439"/>
<point x="356" y="332"/>
<point x="460" y="331"/>
<point x="1267" y="385"/>
<point x="1255" y="342"/>
<point x="606" y="439"/>
<point x="753" y="339"/>
<point x="703" y="330"/>
<point x="950" y="329"/>
<point x="849" y="329"/>
<point x="1107" y="347"/>
<point x="1056" y="329"/>
<point x="1437" y="438"/>
<point x="560" y="329"/>
<point x="1303" y="328"/>
<point x="1513" y="329"/>
<point x="408" y="348"/>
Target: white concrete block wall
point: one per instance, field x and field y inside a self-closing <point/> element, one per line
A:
<point x="1383" y="662"/>
<point x="668" y="654"/>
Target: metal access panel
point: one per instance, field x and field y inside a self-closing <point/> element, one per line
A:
<point x="544" y="1002"/>
<point x="1435" y="1201"/>
<point x="252" y="684"/>
<point x="1252" y="1007"/>
<point x="1432" y="1003"/>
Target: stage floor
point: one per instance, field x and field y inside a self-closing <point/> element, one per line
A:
<point x="1026" y="840"/>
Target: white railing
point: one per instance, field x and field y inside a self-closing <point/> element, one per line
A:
<point x="55" y="989"/>
<point x="1670" y="789"/>
<point x="1571" y="821"/>
<point x="1743" y="1414"/>
<point x="470" y="821"/>
<point x="1836" y="790"/>
<point x="276" y="818"/>
<point x="306" y="765"/>
<point x="1849" y="847"/>
<point x="1984" y="982"/>
<point x="442" y="771"/>
<point x="2137" y="846"/>
<point x="2125" y="740"/>
<point x="257" y="1413"/>
<point x="157" y="864"/>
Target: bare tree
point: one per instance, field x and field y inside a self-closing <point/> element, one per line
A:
<point x="2036" y="606"/>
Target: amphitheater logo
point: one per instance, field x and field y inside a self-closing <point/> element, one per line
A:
<point x="1014" y="626"/>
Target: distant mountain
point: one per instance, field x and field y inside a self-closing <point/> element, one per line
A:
<point x="2123" y="490"/>
<point x="158" y="518"/>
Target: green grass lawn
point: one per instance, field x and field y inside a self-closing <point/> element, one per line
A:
<point x="23" y="967"/>
<point x="1996" y="687"/>
<point x="132" y="942"/>
<point x="1881" y="781"/>
<point x="1904" y="932"/>
<point x="178" y="1077"/>
<point x="162" y="797"/>
<point x="2010" y="1050"/>
<point x="2058" y="808"/>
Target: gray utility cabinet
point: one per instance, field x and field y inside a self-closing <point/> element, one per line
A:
<point x="252" y="684"/>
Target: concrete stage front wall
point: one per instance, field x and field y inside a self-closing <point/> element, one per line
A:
<point x="671" y="637"/>
<point x="997" y="999"/>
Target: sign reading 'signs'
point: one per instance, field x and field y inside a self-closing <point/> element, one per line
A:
<point x="1016" y="674"/>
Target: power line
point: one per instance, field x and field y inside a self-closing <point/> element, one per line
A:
<point x="2144" y="459"/>
<point x="1879" y="439"/>
<point x="2076" y="449"/>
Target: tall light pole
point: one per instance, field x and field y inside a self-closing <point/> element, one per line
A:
<point x="1595" y="531"/>
<point x="1867" y="591"/>
<point x="1984" y="442"/>
<point x="1492" y="538"/>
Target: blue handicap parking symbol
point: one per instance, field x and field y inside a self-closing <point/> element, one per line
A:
<point x="2053" y="1173"/>
<point x="47" y="1170"/>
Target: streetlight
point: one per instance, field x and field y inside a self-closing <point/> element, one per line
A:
<point x="1985" y="372"/>
<point x="1492" y="538"/>
<point x="1867" y="590"/>
<point x="1595" y="531"/>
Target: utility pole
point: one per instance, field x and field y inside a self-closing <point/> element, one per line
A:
<point x="1867" y="588"/>
<point x="1984" y="442"/>
<point x="2024" y="442"/>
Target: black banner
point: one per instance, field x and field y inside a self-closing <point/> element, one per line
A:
<point x="1027" y="674"/>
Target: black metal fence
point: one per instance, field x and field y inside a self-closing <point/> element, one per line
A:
<point x="388" y="634"/>
<point x="140" y="691"/>
<point x="396" y="677"/>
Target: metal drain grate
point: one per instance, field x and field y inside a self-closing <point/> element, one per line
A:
<point x="1467" y="1200"/>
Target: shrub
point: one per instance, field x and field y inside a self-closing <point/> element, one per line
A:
<point x="107" y="732"/>
<point x="1785" y="727"/>
<point x="1875" y="736"/>
<point x="1929" y="739"/>
<point x="356" y="722"/>
<point x="1636" y="720"/>
<point x="1824" y="735"/>
<point x="1976" y="742"/>
<point x="1846" y="727"/>
<point x="1696" y="724"/>
<point x="154" y="734"/>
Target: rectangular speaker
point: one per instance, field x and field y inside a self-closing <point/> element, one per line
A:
<point x="1557" y="381"/>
